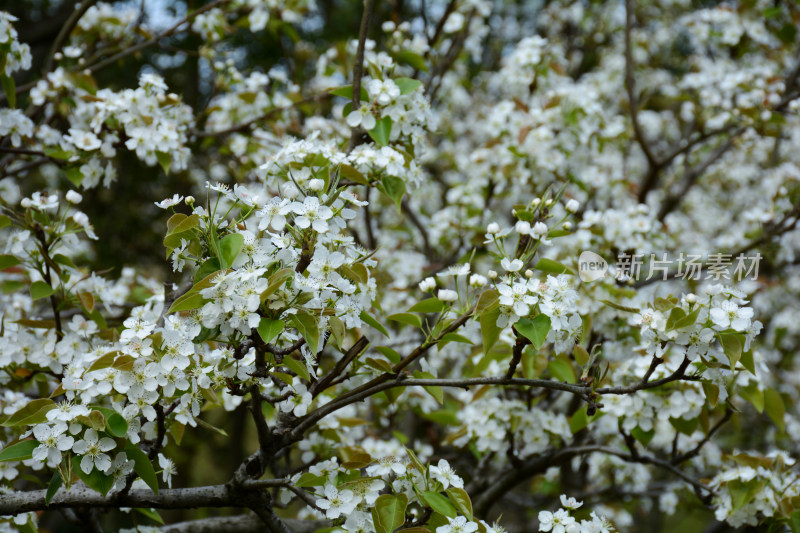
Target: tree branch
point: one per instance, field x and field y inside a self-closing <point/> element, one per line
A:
<point x="633" y="102"/>
<point x="358" y="68"/>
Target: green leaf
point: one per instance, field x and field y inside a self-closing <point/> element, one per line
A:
<point x="389" y="512"/>
<point x="753" y="394"/>
<point x="390" y="353"/>
<point x="665" y="304"/>
<point x="413" y="59"/>
<point x="535" y="330"/>
<point x="688" y="320"/>
<point x="461" y="499"/>
<point x="310" y="480"/>
<point x="74" y="175"/>
<point x="579" y="420"/>
<point x="435" y="391"/>
<point x="562" y="370"/>
<point x="748" y="362"/>
<point x="711" y="391"/>
<point x="742" y="492"/>
<point x="116" y="424"/>
<point x="489" y="329"/>
<point x="439" y="503"/>
<point x="64" y="260"/>
<point x="643" y="436"/>
<point x="142" y="466"/>
<point x="354" y="457"/>
<point x="353" y="174"/>
<point x="380" y="133"/>
<point x="10" y="89"/>
<point x="165" y="160"/>
<point x="675" y="316"/>
<point x="96" y="420"/>
<point x="369" y="320"/>
<point x="7" y="261"/>
<point x="5" y="221"/>
<point x="174" y="222"/>
<point x="104" y="361"/>
<point x="394" y="188"/>
<point x="268" y="329"/>
<point x="276" y="281"/>
<point x="407" y="85"/>
<point x="229" y="248"/>
<point x="187" y="302"/>
<point x="34" y="412"/>
<point x="415" y="462"/>
<point x="298" y="367"/>
<point x="581" y="355"/>
<point x="40" y="289"/>
<point x="308" y="327"/>
<point x="429" y="305"/>
<point x="379" y="364"/>
<point x="621" y="307"/>
<point x="347" y="92"/>
<point x="19" y="451"/>
<point x="552" y="267"/>
<point x="152" y="514"/>
<point x="209" y="266"/>
<point x="687" y="427"/>
<point x="58" y="153"/>
<point x="794" y="521"/>
<point x="406" y="318"/>
<point x="453" y="337"/>
<point x="52" y="487"/>
<point x="732" y="346"/>
<point x="773" y="403"/>
<point x="95" y="479"/>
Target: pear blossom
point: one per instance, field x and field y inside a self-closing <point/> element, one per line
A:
<point x="336" y="503"/>
<point x="92" y="448"/>
<point x="445" y="475"/>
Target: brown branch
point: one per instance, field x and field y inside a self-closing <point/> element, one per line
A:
<point x="358" y="68"/>
<point x="81" y="496"/>
<point x="440" y="26"/>
<point x="673" y="201"/>
<point x="696" y="450"/>
<point x="245" y="523"/>
<point x="633" y="103"/>
<point x="516" y="355"/>
<point x="359" y="346"/>
<point x="66" y="29"/>
<point x="423" y="231"/>
<point x="452" y="53"/>
<point x="679" y="374"/>
<point x="381" y="384"/>
<point x="488" y="496"/>
<point x="267" y="114"/>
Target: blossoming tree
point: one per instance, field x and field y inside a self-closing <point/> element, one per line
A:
<point x="388" y="249"/>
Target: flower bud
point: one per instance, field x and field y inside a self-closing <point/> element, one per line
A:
<point x="522" y="227"/>
<point x="572" y="205"/>
<point x="446" y="295"/>
<point x="539" y="229"/>
<point x="74" y="197"/>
